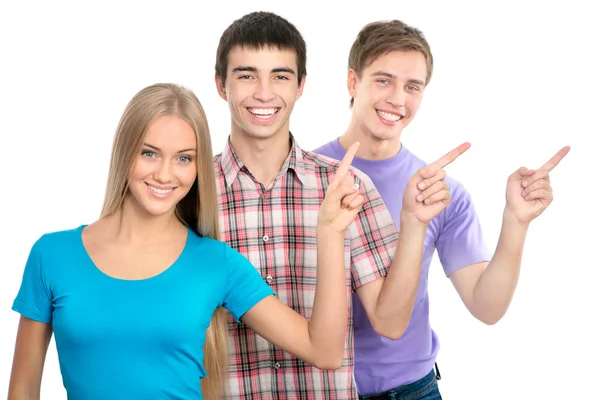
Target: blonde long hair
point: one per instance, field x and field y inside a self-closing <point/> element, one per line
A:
<point x="198" y="209"/>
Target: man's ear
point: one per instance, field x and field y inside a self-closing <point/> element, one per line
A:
<point x="352" y="82"/>
<point x="221" y="87"/>
<point x="301" y="87"/>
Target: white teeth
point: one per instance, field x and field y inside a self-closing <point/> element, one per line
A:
<point x="263" y="112"/>
<point x="161" y="191"/>
<point x="389" y="117"/>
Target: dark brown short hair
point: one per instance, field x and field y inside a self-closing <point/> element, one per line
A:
<point x="257" y="30"/>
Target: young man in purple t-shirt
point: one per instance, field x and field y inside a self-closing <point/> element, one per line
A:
<point x="389" y="66"/>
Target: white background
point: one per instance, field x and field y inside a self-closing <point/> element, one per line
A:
<point x="517" y="81"/>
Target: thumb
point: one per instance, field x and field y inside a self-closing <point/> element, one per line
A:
<point x="521" y="173"/>
<point x="344" y="190"/>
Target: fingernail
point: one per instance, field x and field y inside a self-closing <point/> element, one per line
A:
<point x="525" y="183"/>
<point x="421" y="185"/>
<point x="355" y="187"/>
<point x="419" y="197"/>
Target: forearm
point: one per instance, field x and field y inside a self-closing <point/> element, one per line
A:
<point x="31" y="347"/>
<point x="495" y="288"/>
<point x="397" y="296"/>
<point x="328" y="324"/>
<point x="24" y="384"/>
<point x="16" y="394"/>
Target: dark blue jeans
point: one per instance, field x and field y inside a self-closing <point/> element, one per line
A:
<point x="423" y="389"/>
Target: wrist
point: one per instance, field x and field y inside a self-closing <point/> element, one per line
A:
<point x="409" y="221"/>
<point x="324" y="229"/>
<point x="510" y="219"/>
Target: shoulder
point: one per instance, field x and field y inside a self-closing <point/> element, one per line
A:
<point x="50" y="252"/>
<point x="208" y="246"/>
<point x="457" y="189"/>
<point x="319" y="160"/>
<point x="217" y="164"/>
<point x="224" y="262"/>
<point x="461" y="206"/>
<point x="325" y="148"/>
<point x="59" y="241"/>
<point x="214" y="251"/>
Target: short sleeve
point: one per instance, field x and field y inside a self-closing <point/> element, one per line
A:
<point x="34" y="300"/>
<point x="460" y="242"/>
<point x="374" y="236"/>
<point x="245" y="287"/>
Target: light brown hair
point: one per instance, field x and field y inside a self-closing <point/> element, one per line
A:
<point x="382" y="37"/>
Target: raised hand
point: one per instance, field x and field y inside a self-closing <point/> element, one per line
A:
<point x="343" y="200"/>
<point x="426" y="193"/>
<point x="528" y="191"/>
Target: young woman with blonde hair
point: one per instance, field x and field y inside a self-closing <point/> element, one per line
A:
<point x="135" y="300"/>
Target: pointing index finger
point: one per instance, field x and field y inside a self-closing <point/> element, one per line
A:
<point x="345" y="163"/>
<point x="452" y="155"/>
<point x="553" y="162"/>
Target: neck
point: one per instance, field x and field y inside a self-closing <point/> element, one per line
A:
<point x="132" y="225"/>
<point x="262" y="157"/>
<point x="371" y="147"/>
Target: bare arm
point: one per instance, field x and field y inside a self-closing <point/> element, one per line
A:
<point x="487" y="289"/>
<point x="389" y="301"/>
<point x="31" y="347"/>
<point x="321" y="340"/>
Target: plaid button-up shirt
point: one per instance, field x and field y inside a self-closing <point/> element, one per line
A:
<point x="275" y="228"/>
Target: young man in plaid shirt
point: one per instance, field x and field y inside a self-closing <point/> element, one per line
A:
<point x="270" y="190"/>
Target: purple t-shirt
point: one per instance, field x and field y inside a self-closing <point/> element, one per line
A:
<point x="383" y="364"/>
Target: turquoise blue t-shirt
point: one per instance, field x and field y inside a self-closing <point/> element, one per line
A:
<point x="133" y="339"/>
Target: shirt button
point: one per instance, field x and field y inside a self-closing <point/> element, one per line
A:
<point x="277" y="365"/>
<point x="265" y="238"/>
<point x="269" y="279"/>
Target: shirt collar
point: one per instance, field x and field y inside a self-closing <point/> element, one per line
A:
<point x="232" y="164"/>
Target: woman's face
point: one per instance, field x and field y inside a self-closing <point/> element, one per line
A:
<point x="165" y="168"/>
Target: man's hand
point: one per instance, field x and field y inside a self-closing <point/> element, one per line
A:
<point x="426" y="193"/>
<point x="343" y="200"/>
<point x="528" y="191"/>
